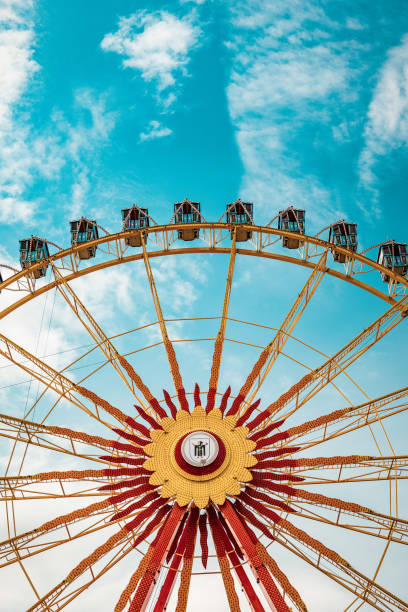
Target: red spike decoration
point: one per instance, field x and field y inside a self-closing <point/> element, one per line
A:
<point x="248" y="515"/>
<point x="197" y="400"/>
<point x="212" y="392"/>
<point x="248" y="413"/>
<point x="224" y="400"/>
<point x="279" y="437"/>
<point x="136" y="439"/>
<point x="152" y="422"/>
<point x="285" y="450"/>
<point x="162" y="512"/>
<point x="170" y="404"/>
<point x="203" y="539"/>
<point x="148" y="498"/>
<point x="263" y="433"/>
<point x="128" y="448"/>
<point x="122" y="484"/>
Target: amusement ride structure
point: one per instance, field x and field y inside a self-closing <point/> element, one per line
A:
<point x="200" y="474"/>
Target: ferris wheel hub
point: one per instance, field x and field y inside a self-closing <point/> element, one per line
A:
<point x="200" y="457"/>
<point x="200" y="449"/>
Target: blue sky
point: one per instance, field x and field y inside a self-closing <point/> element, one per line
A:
<point x="286" y="102"/>
<point x="299" y="102"/>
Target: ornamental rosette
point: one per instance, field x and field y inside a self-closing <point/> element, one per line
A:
<point x="200" y="457"/>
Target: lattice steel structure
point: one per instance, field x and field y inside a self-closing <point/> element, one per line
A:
<point x="157" y="487"/>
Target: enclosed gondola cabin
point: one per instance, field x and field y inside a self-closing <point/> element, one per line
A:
<point x="345" y="235"/>
<point x="291" y="220"/>
<point x="394" y="256"/>
<point x="33" y="250"/>
<point x="187" y="212"/>
<point x="84" y="231"/>
<point x="135" y="218"/>
<point x="240" y="213"/>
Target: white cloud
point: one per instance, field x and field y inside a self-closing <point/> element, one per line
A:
<point x="387" y="117"/>
<point x="283" y="76"/>
<point x="80" y="141"/>
<point x="17" y="68"/>
<point x="28" y="153"/>
<point x="155" y="130"/>
<point x="17" y="65"/>
<point x="157" y="44"/>
<point x="192" y="1"/>
<point x="279" y="78"/>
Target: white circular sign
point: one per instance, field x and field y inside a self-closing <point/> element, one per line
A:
<point x="199" y="448"/>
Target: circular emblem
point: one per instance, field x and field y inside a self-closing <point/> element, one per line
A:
<point x="200" y="448"/>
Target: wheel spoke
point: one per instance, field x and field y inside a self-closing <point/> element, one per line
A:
<point x="24" y="546"/>
<point x="219" y="341"/>
<point x="170" y="352"/>
<point x="282" y="335"/>
<point x="274" y="598"/>
<point x="277" y="482"/>
<point x="373" y="523"/>
<point x="135" y="578"/>
<point x="65" y="592"/>
<point x="185" y="576"/>
<point x="322" y="376"/>
<point x="343" y="421"/>
<point x="36" y="440"/>
<point x="325" y="559"/>
<point x="380" y="468"/>
<point x="144" y="589"/>
<point x="22" y="494"/>
<point x="56" y="381"/>
<point x="223" y="562"/>
<point x="381" y="524"/>
<point x="281" y="578"/>
<point x="34" y="431"/>
<point x="345" y="575"/>
<point x="116" y="505"/>
<point x="123" y="537"/>
<point x="231" y="549"/>
<point x="58" y="439"/>
<point x="118" y="362"/>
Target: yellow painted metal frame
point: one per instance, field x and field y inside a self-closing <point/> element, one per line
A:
<point x="119" y="238"/>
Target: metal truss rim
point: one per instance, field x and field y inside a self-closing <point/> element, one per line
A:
<point x="257" y="229"/>
<point x="186" y="251"/>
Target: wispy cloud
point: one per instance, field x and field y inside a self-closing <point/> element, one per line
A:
<point x="17" y="65"/>
<point x="289" y="70"/>
<point x="157" y="44"/>
<point x="30" y="154"/>
<point x="387" y="119"/>
<point x="155" y="130"/>
<point x="79" y="142"/>
<point x="17" y="68"/>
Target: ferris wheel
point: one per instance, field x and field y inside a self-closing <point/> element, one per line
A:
<point x="195" y="481"/>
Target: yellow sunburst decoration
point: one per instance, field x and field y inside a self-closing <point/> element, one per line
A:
<point x="199" y="457"/>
